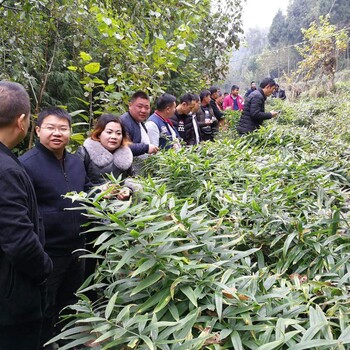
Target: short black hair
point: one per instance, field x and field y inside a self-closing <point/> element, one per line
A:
<point x="164" y="101"/>
<point x="56" y="111"/>
<point x="139" y="94"/>
<point x="267" y="81"/>
<point x="187" y="98"/>
<point x="204" y="94"/>
<point x="195" y="97"/>
<point x="213" y="89"/>
<point x="234" y="87"/>
<point x="14" y="101"/>
<point x="252" y="82"/>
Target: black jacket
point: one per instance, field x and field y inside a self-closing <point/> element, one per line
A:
<point x="134" y="132"/>
<point x="183" y="123"/>
<point x="99" y="161"/>
<point x="253" y="113"/>
<point x="279" y="94"/>
<point x="207" y="130"/>
<point x="23" y="263"/>
<point x="52" y="179"/>
<point x="218" y="114"/>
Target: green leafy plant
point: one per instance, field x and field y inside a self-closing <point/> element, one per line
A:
<point x="241" y="243"/>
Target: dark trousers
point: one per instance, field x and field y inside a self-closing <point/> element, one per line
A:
<point x="91" y="264"/>
<point x="23" y="336"/>
<point x="65" y="280"/>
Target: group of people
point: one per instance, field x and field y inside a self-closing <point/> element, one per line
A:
<point x="40" y="240"/>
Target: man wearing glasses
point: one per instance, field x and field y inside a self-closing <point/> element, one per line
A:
<point x="54" y="172"/>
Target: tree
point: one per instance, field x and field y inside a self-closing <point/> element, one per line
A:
<point x="339" y="12"/>
<point x="113" y="48"/>
<point x="277" y="32"/>
<point x="323" y="43"/>
<point x="300" y="14"/>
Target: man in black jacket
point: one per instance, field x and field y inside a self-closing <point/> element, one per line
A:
<point x="182" y="119"/>
<point x="207" y="121"/>
<point x="214" y="94"/>
<point x="133" y="122"/>
<point x="279" y="93"/>
<point x="254" y="108"/>
<point x="252" y="88"/>
<point x="54" y="172"/>
<point x="24" y="266"/>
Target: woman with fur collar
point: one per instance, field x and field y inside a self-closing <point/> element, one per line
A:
<point x="107" y="152"/>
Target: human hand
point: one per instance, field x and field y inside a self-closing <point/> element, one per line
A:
<point x="208" y="121"/>
<point x="176" y="146"/>
<point x="274" y="113"/>
<point x="152" y="149"/>
<point x="124" y="194"/>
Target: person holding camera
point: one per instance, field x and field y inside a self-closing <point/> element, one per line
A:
<point x="207" y="122"/>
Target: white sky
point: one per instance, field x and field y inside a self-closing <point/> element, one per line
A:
<point x="260" y="13"/>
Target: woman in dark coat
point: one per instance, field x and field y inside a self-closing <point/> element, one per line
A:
<point x="106" y="152"/>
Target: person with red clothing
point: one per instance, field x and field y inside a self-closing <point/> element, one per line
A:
<point x="160" y="128"/>
<point x="234" y="101"/>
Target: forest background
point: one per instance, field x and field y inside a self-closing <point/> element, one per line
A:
<point x="273" y="51"/>
<point x="91" y="55"/>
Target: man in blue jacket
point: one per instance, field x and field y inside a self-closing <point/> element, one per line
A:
<point x="24" y="266"/>
<point x="54" y="172"/>
<point x="160" y="128"/>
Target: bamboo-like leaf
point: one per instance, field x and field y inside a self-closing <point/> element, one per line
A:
<point x="236" y="341"/>
<point x="270" y="346"/>
<point x="148" y="342"/>
<point x="184" y="210"/>
<point x="287" y="243"/>
<point x="110" y="305"/>
<point x="218" y="304"/>
<point x="311" y="344"/>
<point x="153" y="300"/>
<point x="162" y="303"/>
<point x="149" y="281"/>
<point x="188" y="291"/>
<point x="126" y="257"/>
<point x="145" y="266"/>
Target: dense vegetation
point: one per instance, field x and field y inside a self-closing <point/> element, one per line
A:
<point x="92" y="54"/>
<point x="274" y="51"/>
<point x="238" y="244"/>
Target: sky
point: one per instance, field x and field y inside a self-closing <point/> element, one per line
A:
<point x="260" y="13"/>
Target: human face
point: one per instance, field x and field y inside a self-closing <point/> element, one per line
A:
<point x="54" y="134"/>
<point x="112" y="136"/>
<point x="220" y="99"/>
<point x="206" y="100"/>
<point x="140" y="109"/>
<point x="187" y="107"/>
<point x="195" y="106"/>
<point x="169" y="111"/>
<point x="235" y="92"/>
<point x="215" y="95"/>
<point x="269" y="89"/>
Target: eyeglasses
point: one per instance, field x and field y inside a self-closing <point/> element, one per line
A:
<point x="60" y="129"/>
